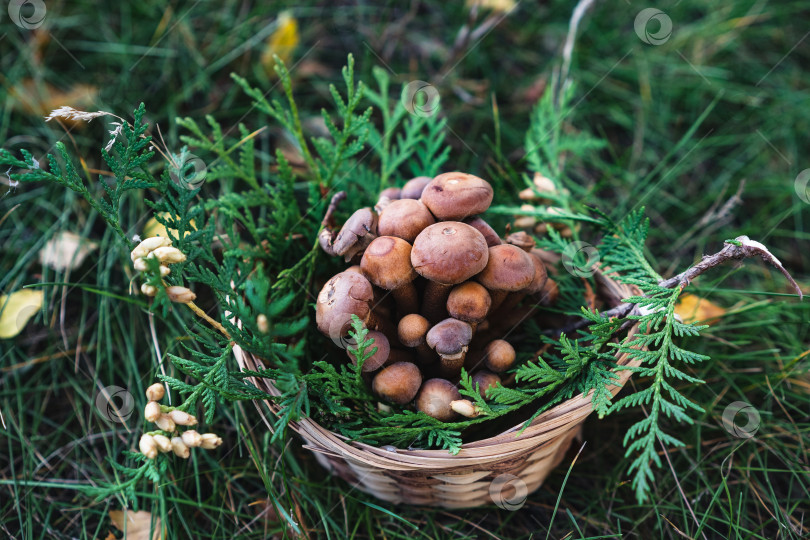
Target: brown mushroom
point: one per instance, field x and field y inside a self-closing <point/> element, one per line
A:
<point x="548" y="296"/>
<point x="537" y="284"/>
<point x="446" y="254"/>
<point x="411" y="331"/>
<point x="499" y="355"/>
<point x="413" y="188"/>
<point x="457" y="195"/>
<point x="387" y="196"/>
<point x="469" y="302"/>
<point x="387" y="264"/>
<point x="434" y="399"/>
<point x="346" y="294"/>
<point x="521" y="239"/>
<point x="485" y="229"/>
<point x="508" y="269"/>
<point x="358" y="231"/>
<point x="485" y="380"/>
<point x="405" y="219"/>
<point x="380" y="356"/>
<point x="397" y="383"/>
<point x="450" y="339"/>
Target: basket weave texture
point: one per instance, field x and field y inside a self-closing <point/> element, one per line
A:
<point x="482" y="473"/>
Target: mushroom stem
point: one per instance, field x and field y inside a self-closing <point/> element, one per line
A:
<point x="406" y="299"/>
<point x="497" y="299"/>
<point x="434" y="301"/>
<point x="451" y="364"/>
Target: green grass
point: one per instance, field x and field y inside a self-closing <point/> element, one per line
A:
<point x="724" y="100"/>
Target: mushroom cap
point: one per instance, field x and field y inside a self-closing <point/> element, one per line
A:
<point x="398" y="382"/>
<point x="357" y="226"/>
<point x="412" y="329"/>
<point x="434" y="399"/>
<point x="521" y="239"/>
<point x="449" y="252"/>
<point x="485" y="380"/>
<point x="449" y="337"/>
<point x="387" y="262"/>
<point x="457" y="195"/>
<point x="508" y="268"/>
<point x="376" y="360"/>
<point x="346" y="294"/>
<point x="485" y="229"/>
<point x="499" y="355"/>
<point x="404" y="218"/>
<point x="550" y="292"/>
<point x="469" y="302"/>
<point x="413" y="188"/>
<point x="392" y="193"/>
<point x="540" y="276"/>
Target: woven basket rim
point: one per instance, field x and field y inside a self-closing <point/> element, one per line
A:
<point x="473" y="454"/>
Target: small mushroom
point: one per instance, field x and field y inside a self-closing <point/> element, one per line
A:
<point x="446" y="254"/>
<point x="397" y="383"/>
<point x="387" y="196"/>
<point x="411" y="331"/>
<point x="508" y="269"/>
<point x="521" y="239"/>
<point x="485" y="380"/>
<point x="485" y="229"/>
<point x="404" y="219"/>
<point x="376" y="360"/>
<point x="413" y="188"/>
<point x="499" y="355"/>
<point x="346" y="294"/>
<point x="387" y="264"/>
<point x="357" y="233"/>
<point x="450" y="339"/>
<point x="457" y="195"/>
<point x="434" y="399"/>
<point x="469" y="302"/>
<point x="548" y="296"/>
<point x="537" y="284"/>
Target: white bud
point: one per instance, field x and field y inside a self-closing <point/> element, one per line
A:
<point x="168" y="255"/>
<point x="179" y="448"/>
<point x="148" y="446"/>
<point x="209" y="441"/>
<point x="165" y="423"/>
<point x="140" y="265"/>
<point x="191" y="438"/>
<point x="164" y="270"/>
<point x="163" y="443"/>
<point x="465" y="407"/>
<point x="155" y="392"/>
<point x="181" y="295"/>
<point x="152" y="411"/>
<point x="183" y="418"/>
<point x="150" y="244"/>
<point x="148" y="290"/>
<point x="262" y="323"/>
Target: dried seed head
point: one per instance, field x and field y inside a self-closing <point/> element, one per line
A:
<point x="163" y="443"/>
<point x="179" y="448"/>
<point x="262" y="323"/>
<point x="191" y="438"/>
<point x="155" y="392"/>
<point x="152" y="411"/>
<point x="148" y="446"/>
<point x="168" y="255"/>
<point x="181" y="295"/>
<point x="165" y="423"/>
<point x="148" y="290"/>
<point x="183" y="418"/>
<point x="147" y="246"/>
<point x="209" y="441"/>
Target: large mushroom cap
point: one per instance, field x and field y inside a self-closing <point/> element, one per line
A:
<point x="434" y="399"/>
<point x="346" y="294"/>
<point x="449" y="252"/>
<point x="413" y="188"/>
<point x="508" y="268"/>
<point x="469" y="302"/>
<point x="449" y="337"/>
<point x="387" y="262"/>
<point x="360" y="223"/>
<point x="404" y="218"/>
<point x="398" y="382"/>
<point x="457" y="195"/>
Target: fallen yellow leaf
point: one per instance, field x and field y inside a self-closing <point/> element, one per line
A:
<point x="694" y="309"/>
<point x="137" y="526"/>
<point x="282" y="41"/>
<point x="16" y="309"/>
<point x="65" y="251"/>
<point x="154" y="228"/>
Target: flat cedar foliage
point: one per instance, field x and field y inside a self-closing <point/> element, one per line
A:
<point x="250" y="235"/>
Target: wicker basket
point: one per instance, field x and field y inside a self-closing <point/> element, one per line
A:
<point x="482" y="473"/>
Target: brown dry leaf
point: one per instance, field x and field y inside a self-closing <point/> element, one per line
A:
<point x="65" y="251"/>
<point x="694" y="309"/>
<point x="16" y="309"/>
<point x="138" y="524"/>
<point x="41" y="99"/>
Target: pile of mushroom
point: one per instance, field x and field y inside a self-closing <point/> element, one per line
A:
<point x="437" y="288"/>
